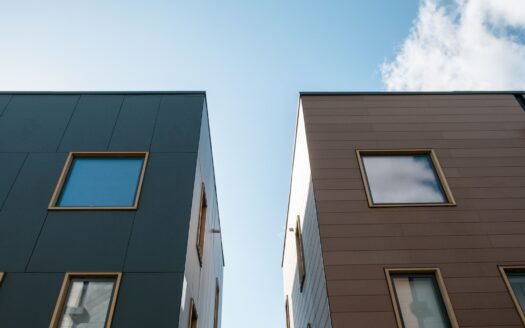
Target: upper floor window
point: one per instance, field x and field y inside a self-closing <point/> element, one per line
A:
<point x="420" y="298"/>
<point x="514" y="278"/>
<point x="100" y="180"/>
<point x="201" y="227"/>
<point x="86" y="300"/>
<point x="403" y="178"/>
<point x="301" y="268"/>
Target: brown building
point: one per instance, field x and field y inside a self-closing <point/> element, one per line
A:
<point x="407" y="210"/>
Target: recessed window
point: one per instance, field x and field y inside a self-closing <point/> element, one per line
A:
<point x="201" y="228"/>
<point x="100" y="181"/>
<point x="217" y="305"/>
<point x="515" y="281"/>
<point x="300" y="253"/>
<point x="420" y="298"/>
<point x="287" y="313"/>
<point x="193" y="315"/>
<point x="86" y="300"/>
<point x="403" y="178"/>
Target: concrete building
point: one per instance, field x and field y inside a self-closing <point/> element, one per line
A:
<point x="407" y="210"/>
<point x="108" y="211"/>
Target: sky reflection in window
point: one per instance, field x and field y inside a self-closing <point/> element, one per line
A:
<point x="394" y="179"/>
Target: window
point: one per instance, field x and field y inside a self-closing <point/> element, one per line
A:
<point x="86" y="300"/>
<point x="201" y="228"/>
<point x="99" y="180"/>
<point x="300" y="253"/>
<point x="420" y="298"/>
<point x="193" y="315"/>
<point x="403" y="178"/>
<point x="217" y="300"/>
<point x="514" y="277"/>
<point x="287" y="312"/>
<point x="1" y="277"/>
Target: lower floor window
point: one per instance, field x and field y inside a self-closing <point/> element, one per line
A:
<point x="420" y="299"/>
<point x="86" y="300"/>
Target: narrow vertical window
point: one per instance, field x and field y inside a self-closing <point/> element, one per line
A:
<point x="86" y="300"/>
<point x="514" y="278"/>
<point x="1" y="277"/>
<point x="216" y="307"/>
<point x="193" y="315"/>
<point x="287" y="312"/>
<point x="420" y="298"/>
<point x="300" y="253"/>
<point x="201" y="228"/>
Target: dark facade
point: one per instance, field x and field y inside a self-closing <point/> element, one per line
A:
<point x="353" y="250"/>
<point x="153" y="247"/>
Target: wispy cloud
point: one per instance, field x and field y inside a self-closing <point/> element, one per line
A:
<point x="468" y="45"/>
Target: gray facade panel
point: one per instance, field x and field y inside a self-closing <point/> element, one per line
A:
<point x="25" y="209"/>
<point x="136" y="123"/>
<point x="35" y="123"/>
<point x="4" y="100"/>
<point x="10" y="164"/>
<point x="148" y="300"/>
<point x="178" y="124"/>
<point x="92" y="123"/>
<point x="28" y="299"/>
<point x="82" y="241"/>
<point x="160" y="231"/>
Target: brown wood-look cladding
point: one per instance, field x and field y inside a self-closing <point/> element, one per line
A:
<point x="479" y="140"/>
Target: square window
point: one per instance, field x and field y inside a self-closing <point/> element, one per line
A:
<point x="514" y="278"/>
<point x="420" y="298"/>
<point x="86" y="300"/>
<point x="403" y="178"/>
<point x="100" y="181"/>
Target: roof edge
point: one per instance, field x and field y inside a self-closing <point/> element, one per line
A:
<point x="380" y="93"/>
<point x="102" y="92"/>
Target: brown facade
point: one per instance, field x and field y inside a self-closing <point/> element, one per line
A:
<point x="479" y="140"/>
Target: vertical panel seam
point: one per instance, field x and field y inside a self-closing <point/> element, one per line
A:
<point x="68" y="123"/>
<point x="6" y="105"/>
<point x="155" y="122"/>
<point x="14" y="181"/>
<point x="116" y="121"/>
<point x="36" y="241"/>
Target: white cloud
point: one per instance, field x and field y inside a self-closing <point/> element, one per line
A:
<point x="470" y="45"/>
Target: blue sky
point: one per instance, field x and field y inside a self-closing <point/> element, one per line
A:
<point x="252" y="59"/>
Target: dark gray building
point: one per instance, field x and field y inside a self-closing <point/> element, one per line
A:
<point x="108" y="211"/>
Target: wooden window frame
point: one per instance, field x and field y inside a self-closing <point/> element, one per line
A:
<point x="193" y="314"/>
<point x="301" y="264"/>
<point x="62" y="297"/>
<point x="87" y="154"/>
<point x="397" y="152"/>
<point x="201" y="225"/>
<point x="441" y="285"/>
<point x="504" y="269"/>
<point x="216" y="305"/>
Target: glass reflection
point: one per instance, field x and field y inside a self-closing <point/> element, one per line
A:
<point x="420" y="302"/>
<point x="87" y="303"/>
<point x="402" y="179"/>
<point x="517" y="282"/>
<point x="101" y="181"/>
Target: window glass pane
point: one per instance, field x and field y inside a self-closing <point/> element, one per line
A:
<point x="87" y="303"/>
<point x="402" y="179"/>
<point x="101" y="181"/>
<point x="420" y="302"/>
<point x="517" y="282"/>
